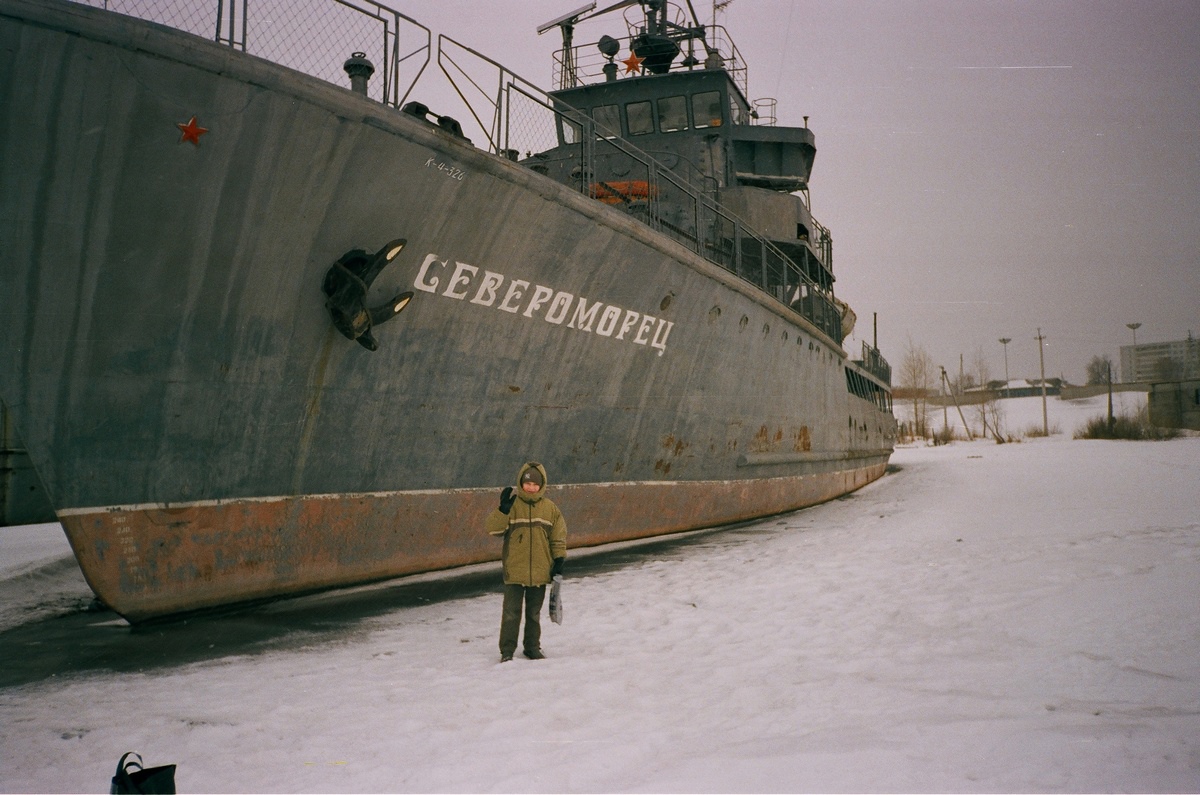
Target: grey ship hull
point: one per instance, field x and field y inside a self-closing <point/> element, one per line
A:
<point x="206" y="436"/>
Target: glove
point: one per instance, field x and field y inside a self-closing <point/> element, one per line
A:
<point x="558" y="567"/>
<point x="506" y="500"/>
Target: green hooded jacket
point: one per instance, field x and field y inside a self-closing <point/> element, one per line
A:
<point x="534" y="531"/>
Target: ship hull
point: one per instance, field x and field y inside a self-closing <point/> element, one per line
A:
<point x="207" y="436"/>
<point x="147" y="562"/>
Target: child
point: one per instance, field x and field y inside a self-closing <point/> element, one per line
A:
<point x="535" y="549"/>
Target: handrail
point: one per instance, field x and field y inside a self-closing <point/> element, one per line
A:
<point x="586" y="61"/>
<point x="304" y="41"/>
<point x="873" y="362"/>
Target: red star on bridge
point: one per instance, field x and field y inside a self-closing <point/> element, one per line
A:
<point x="191" y="131"/>
<point x="633" y="63"/>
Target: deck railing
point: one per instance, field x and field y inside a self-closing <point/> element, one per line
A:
<point x="873" y="362"/>
<point x="311" y="36"/>
<point x="583" y="63"/>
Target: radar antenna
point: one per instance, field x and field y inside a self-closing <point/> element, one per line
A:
<point x="567" y="24"/>
<point x="657" y="44"/>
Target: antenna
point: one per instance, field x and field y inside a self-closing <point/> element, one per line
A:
<point x="719" y="6"/>
<point x="567" y="23"/>
<point x="566" y="19"/>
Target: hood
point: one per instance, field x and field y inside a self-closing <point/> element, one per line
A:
<point x="545" y="481"/>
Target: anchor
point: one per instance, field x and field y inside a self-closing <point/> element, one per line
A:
<point x="346" y="284"/>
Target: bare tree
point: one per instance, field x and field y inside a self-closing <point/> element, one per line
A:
<point x="988" y="409"/>
<point x="918" y="377"/>
<point x="1099" y="370"/>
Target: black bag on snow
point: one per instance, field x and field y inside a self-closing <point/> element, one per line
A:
<point x="134" y="777"/>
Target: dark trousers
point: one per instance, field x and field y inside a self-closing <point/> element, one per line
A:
<point x="510" y="619"/>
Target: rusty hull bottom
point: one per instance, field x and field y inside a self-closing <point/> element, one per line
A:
<point x="151" y="561"/>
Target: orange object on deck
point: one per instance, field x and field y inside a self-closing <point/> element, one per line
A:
<point x="622" y="191"/>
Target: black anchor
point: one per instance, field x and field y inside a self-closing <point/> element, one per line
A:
<point x="346" y="284"/>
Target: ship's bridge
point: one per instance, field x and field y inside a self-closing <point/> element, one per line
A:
<point x="699" y="124"/>
<point x="684" y="112"/>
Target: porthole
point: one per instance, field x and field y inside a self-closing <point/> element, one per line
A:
<point x="714" y="314"/>
<point x="785" y="336"/>
<point x="745" y="321"/>
<point x="666" y="302"/>
<point x="766" y="329"/>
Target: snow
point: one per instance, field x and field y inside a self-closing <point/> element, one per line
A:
<point x="1020" y="417"/>
<point x="1017" y="617"/>
<point x="38" y="574"/>
<point x="26" y="549"/>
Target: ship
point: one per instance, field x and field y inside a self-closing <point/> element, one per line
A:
<point x="274" y="323"/>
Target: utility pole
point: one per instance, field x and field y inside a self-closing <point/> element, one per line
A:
<point x="967" y="428"/>
<point x="1111" y="421"/>
<point x="1042" y="359"/>
<point x="945" y="416"/>
<point x="1004" y="341"/>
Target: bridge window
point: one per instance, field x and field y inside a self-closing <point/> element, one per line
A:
<point x="738" y="112"/>
<point x="608" y="121"/>
<point x="640" y="117"/>
<point x="672" y="114"/>
<point x="571" y="132"/>
<point x="706" y="109"/>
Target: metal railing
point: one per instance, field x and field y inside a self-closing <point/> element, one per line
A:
<point x="521" y="122"/>
<point x="873" y="362"/>
<point x="311" y="36"/>
<point x="585" y="63"/>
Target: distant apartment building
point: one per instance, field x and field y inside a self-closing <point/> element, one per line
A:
<point x="1161" y="361"/>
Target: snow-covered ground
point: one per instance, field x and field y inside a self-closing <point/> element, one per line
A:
<point x="1022" y="417"/>
<point x="1018" y="617"/>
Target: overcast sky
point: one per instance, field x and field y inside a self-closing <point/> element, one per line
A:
<point x="986" y="167"/>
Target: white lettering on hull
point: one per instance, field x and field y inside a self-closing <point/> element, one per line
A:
<point x="461" y="281"/>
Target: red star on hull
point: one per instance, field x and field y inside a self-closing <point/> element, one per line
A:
<point x="191" y="131"/>
<point x="633" y="63"/>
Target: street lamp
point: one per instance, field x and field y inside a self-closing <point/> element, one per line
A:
<point x="1134" y="327"/>
<point x="1004" y="341"/>
<point x="1133" y="355"/>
